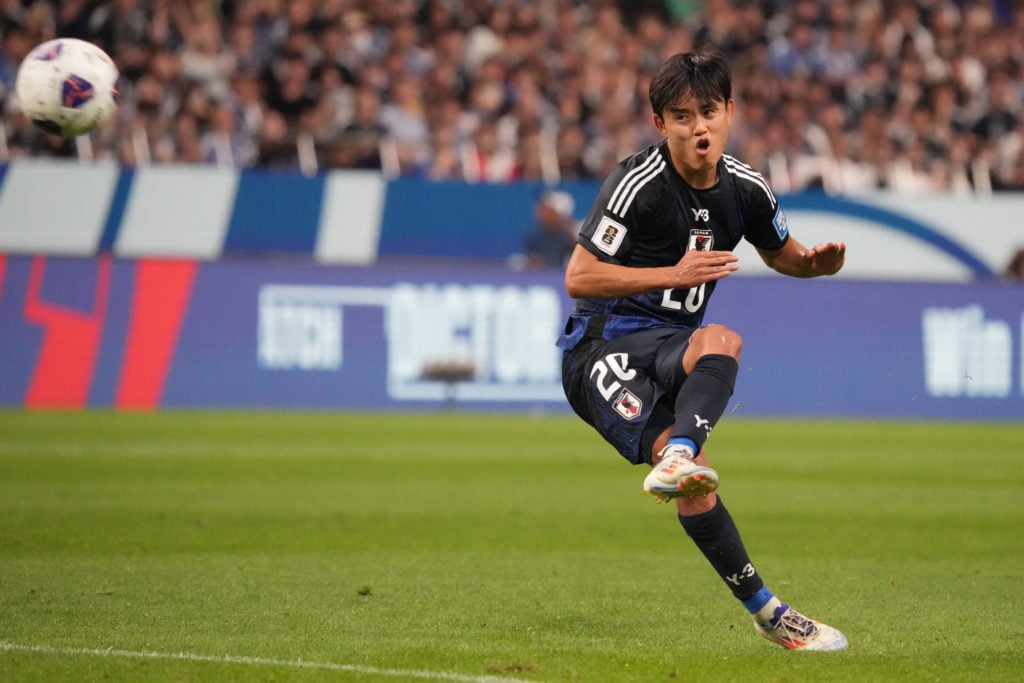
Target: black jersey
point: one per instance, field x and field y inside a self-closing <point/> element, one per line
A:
<point x="646" y="215"/>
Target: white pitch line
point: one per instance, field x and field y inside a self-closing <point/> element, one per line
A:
<point x="255" y="661"/>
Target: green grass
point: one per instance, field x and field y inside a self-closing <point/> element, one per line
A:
<point x="476" y="546"/>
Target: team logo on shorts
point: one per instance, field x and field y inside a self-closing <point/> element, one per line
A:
<point x="627" y="404"/>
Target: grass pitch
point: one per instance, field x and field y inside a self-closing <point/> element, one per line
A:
<point x="320" y="547"/>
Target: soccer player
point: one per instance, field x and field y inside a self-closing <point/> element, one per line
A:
<point x="638" y="365"/>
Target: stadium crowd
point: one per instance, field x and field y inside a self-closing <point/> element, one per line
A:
<point x="847" y="95"/>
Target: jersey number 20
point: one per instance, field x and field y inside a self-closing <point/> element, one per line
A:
<point x="692" y="302"/>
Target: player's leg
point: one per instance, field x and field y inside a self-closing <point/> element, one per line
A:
<point x="705" y="372"/>
<point x="709" y="525"/>
<point x="711" y="363"/>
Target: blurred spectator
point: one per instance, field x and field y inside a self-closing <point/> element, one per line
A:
<point x="360" y="143"/>
<point x="850" y="96"/>
<point x="225" y="143"/>
<point x="290" y="89"/>
<point x="444" y="163"/>
<point x="17" y="43"/>
<point x="551" y="240"/>
<point x="796" y="53"/>
<point x="485" y="159"/>
<point x="206" y="60"/>
<point x="404" y="117"/>
<point x="277" y="150"/>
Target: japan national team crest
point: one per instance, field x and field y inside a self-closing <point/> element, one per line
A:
<point x="701" y="240"/>
<point x="627" y="404"/>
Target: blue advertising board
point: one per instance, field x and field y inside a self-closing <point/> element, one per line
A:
<point x="147" y="334"/>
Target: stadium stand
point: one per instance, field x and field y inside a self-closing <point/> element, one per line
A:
<point x="846" y="96"/>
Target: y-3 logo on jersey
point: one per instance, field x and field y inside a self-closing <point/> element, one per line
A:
<point x="700" y="215"/>
<point x="701" y="240"/>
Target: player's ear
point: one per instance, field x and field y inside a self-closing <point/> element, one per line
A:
<point x="730" y="107"/>
<point x="659" y="123"/>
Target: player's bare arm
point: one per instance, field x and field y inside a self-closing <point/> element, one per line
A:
<point x="588" y="276"/>
<point x="796" y="260"/>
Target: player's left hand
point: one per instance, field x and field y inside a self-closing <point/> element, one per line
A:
<point x="826" y="258"/>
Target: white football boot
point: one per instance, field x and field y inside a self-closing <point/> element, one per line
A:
<point x="794" y="631"/>
<point x="677" y="475"/>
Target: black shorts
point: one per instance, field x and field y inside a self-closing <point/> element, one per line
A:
<point x="626" y="388"/>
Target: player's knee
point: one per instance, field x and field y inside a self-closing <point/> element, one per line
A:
<point x="720" y="340"/>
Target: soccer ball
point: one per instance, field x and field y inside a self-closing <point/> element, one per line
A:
<point x="67" y="87"/>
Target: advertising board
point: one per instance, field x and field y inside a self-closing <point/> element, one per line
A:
<point x="147" y="334"/>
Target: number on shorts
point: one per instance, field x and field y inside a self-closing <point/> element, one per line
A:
<point x="618" y="364"/>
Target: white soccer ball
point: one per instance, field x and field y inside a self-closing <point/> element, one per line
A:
<point x="67" y="87"/>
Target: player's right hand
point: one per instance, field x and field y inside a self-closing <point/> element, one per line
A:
<point x="697" y="267"/>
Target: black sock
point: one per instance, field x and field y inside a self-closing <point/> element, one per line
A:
<point x="716" y="535"/>
<point x="704" y="397"/>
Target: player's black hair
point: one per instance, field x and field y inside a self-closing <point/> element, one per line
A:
<point x="704" y="75"/>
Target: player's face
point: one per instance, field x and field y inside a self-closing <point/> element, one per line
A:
<point x="696" y="132"/>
